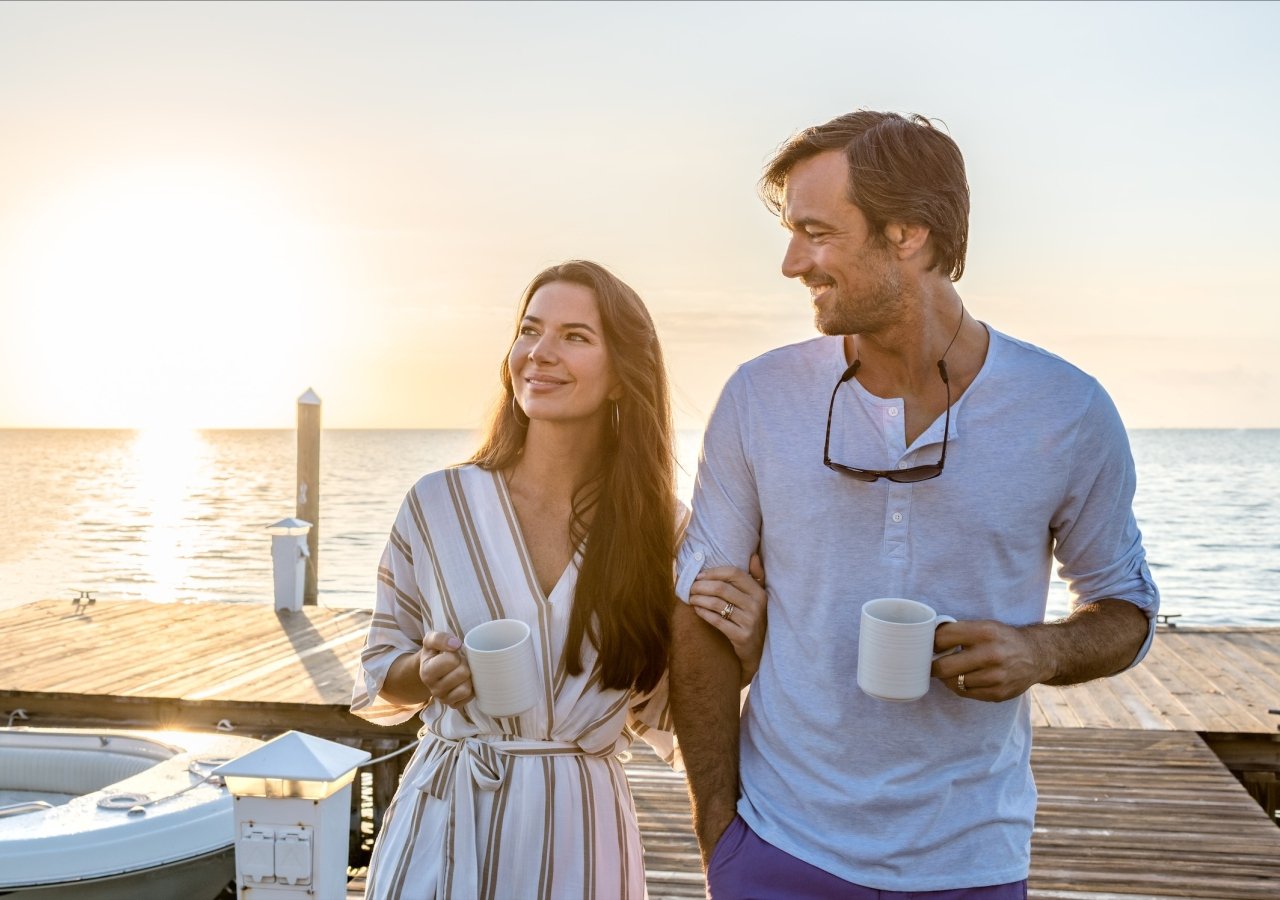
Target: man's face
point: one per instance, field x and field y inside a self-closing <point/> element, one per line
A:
<point x="852" y="277"/>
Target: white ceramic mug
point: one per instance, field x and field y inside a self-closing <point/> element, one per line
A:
<point x="895" y="648"/>
<point x="504" y="672"/>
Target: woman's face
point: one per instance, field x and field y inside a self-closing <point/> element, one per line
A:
<point x="560" y="365"/>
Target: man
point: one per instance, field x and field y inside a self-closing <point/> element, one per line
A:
<point x="823" y="791"/>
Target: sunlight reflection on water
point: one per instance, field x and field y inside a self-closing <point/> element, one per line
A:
<point x="181" y="515"/>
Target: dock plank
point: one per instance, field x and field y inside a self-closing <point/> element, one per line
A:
<point x="1245" y="678"/>
<point x="1209" y="680"/>
<point x="185" y="665"/>
<point x="1123" y="815"/>
<point x="1212" y="679"/>
<point x="1145" y="813"/>
<point x="1133" y="803"/>
<point x="1152" y="690"/>
<point x="1209" y="663"/>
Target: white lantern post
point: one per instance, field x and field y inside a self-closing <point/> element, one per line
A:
<point x="292" y="808"/>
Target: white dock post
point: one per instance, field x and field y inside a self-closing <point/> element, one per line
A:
<point x="289" y="562"/>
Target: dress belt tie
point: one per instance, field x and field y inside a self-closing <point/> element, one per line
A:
<point x="483" y="767"/>
<point x="484" y="761"/>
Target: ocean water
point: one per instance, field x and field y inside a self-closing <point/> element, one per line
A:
<point x="182" y="516"/>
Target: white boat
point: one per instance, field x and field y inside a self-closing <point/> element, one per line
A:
<point x="115" y="814"/>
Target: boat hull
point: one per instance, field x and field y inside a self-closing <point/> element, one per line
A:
<point x="202" y="878"/>
<point x="146" y="817"/>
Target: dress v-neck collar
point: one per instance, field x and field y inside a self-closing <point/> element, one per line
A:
<point x="521" y="547"/>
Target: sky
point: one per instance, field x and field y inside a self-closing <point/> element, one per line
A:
<point x="208" y="208"/>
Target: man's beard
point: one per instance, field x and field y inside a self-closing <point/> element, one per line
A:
<point x="876" y="306"/>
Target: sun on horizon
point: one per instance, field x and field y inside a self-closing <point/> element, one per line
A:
<point x="162" y="296"/>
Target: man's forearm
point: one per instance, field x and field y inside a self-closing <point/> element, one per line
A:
<point x="1096" y="640"/>
<point x="705" y="702"/>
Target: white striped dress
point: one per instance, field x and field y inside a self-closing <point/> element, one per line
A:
<point x="528" y="806"/>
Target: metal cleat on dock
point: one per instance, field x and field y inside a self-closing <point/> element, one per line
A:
<point x="1164" y="619"/>
<point x="84" y="599"/>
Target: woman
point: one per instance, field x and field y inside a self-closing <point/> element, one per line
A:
<point x="565" y="518"/>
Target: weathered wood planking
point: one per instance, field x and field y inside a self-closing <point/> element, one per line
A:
<point x="199" y="660"/>
<point x="1145" y="814"/>
<point x="1122" y="815"/>
<point x="1215" y="680"/>
<point x="185" y="665"/>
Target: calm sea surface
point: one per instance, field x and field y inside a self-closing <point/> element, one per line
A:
<point x="182" y="515"/>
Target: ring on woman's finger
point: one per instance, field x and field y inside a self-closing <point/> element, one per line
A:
<point x="728" y="611"/>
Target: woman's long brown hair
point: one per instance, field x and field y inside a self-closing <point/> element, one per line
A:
<point x="626" y="514"/>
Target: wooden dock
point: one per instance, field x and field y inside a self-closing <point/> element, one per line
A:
<point x="1152" y="814"/>
<point x="1216" y="680"/>
<point x="184" y="665"/>
<point x="1122" y="814"/>
<point x="1134" y="803"/>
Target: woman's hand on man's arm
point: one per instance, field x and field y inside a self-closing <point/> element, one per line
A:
<point x="734" y="602"/>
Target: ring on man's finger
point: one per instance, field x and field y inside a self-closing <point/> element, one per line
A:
<point x="960" y="683"/>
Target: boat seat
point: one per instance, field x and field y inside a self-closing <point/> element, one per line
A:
<point x="75" y="772"/>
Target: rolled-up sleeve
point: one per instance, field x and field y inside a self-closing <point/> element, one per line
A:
<point x="725" y="528"/>
<point x="649" y="718"/>
<point x="400" y="620"/>
<point x="1096" y="538"/>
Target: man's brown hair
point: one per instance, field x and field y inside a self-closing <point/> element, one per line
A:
<point x="901" y="169"/>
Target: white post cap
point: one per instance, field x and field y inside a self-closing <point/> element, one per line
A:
<point x="293" y="765"/>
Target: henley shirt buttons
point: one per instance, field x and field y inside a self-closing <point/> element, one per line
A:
<point x="699" y="556"/>
<point x="893" y="410"/>
<point x="902" y="465"/>
<point x="897" y="517"/>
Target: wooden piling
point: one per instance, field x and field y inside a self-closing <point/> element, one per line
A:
<point x="309" y="486"/>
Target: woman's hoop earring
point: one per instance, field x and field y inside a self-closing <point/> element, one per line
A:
<point x="617" y="417"/>
<point x="521" y="419"/>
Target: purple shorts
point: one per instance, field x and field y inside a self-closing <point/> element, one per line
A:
<point x="744" y="867"/>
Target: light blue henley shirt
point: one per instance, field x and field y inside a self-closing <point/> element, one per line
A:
<point x="936" y="794"/>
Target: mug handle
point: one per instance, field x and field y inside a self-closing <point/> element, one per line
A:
<point x="956" y="649"/>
